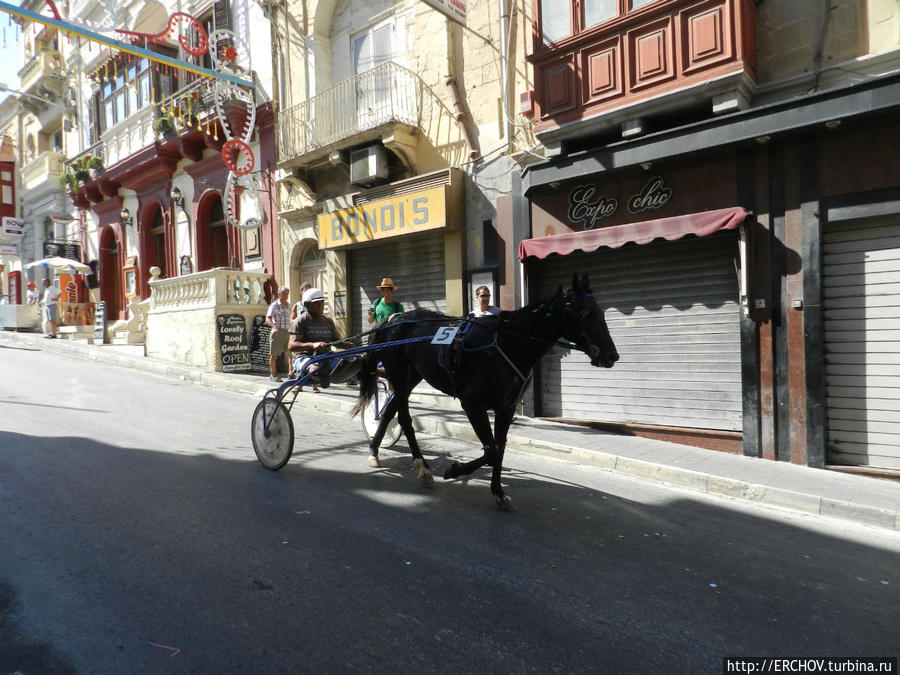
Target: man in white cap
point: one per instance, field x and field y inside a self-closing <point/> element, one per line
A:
<point x="314" y="333"/>
<point x="278" y="317"/>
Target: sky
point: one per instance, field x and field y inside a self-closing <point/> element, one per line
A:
<point x="10" y="54"/>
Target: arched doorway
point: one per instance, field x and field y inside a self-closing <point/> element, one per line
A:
<point x="110" y="273"/>
<point x="310" y="266"/>
<point x="212" y="234"/>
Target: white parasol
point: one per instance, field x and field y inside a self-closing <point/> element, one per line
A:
<point x="59" y="264"/>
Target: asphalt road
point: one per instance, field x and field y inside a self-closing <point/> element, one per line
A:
<point x="138" y="534"/>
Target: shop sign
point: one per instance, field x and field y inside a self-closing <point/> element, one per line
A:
<point x="9" y="249"/>
<point x="405" y="214"/>
<point x="587" y="207"/>
<point x="11" y="227"/>
<point x="233" y="348"/>
<point x="453" y="9"/>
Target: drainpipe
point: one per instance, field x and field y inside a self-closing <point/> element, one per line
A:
<point x="453" y="87"/>
<point x="504" y="69"/>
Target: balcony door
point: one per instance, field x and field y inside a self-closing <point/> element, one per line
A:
<point x="371" y="48"/>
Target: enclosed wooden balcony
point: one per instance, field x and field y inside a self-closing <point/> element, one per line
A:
<point x="656" y="58"/>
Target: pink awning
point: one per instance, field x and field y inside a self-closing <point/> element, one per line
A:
<point x="701" y="224"/>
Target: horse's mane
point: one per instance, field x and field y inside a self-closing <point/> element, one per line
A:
<point x="523" y="318"/>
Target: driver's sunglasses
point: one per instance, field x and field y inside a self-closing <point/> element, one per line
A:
<point x="485" y="295"/>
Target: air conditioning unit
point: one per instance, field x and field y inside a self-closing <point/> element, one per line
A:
<point x="368" y="165"/>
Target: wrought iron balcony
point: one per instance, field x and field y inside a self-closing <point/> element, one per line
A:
<point x="356" y="110"/>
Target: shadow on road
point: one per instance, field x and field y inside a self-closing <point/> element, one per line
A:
<point x="235" y="564"/>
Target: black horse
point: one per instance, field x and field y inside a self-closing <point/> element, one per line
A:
<point x="486" y="367"/>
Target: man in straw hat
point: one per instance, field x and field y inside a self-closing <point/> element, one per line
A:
<point x="385" y="305"/>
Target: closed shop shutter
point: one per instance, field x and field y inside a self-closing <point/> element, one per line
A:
<point x="672" y="310"/>
<point x="862" y="344"/>
<point x="415" y="263"/>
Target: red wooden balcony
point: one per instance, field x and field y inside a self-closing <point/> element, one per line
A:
<point x="656" y="56"/>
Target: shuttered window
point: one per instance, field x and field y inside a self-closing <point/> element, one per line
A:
<point x="415" y="263"/>
<point x="672" y="310"/>
<point x="861" y="275"/>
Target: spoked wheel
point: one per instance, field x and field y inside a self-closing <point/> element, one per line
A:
<point x="274" y="443"/>
<point x="370" y="423"/>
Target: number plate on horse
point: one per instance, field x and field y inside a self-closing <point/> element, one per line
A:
<point x="444" y="335"/>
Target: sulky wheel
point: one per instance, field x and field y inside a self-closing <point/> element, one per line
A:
<point x="272" y="431"/>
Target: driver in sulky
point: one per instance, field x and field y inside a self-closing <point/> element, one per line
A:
<point x="314" y="333"/>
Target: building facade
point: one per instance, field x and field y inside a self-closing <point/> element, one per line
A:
<point x="399" y="134"/>
<point x="725" y="171"/>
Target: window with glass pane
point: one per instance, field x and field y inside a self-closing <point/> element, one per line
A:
<point x="555" y="21"/>
<point x="598" y="11"/>
<point x="640" y="3"/>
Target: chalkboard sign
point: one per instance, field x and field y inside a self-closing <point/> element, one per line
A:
<point x="232" y="337"/>
<point x="100" y="323"/>
<point x="259" y="345"/>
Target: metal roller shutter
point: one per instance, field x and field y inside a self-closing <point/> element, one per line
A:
<point x="672" y="310"/>
<point x="861" y="275"/>
<point x="415" y="263"/>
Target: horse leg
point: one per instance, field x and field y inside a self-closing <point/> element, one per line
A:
<point x="482" y="427"/>
<point x="405" y="421"/>
<point x="386" y="416"/>
<point x="502" y="420"/>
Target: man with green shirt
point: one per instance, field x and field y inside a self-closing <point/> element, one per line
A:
<point x="385" y="306"/>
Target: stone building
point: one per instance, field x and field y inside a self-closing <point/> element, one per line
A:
<point x="726" y="171"/>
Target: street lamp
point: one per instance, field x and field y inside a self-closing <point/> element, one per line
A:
<point x="126" y="218"/>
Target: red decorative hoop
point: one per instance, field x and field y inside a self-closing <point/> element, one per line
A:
<point x="234" y="148"/>
<point x="176" y="18"/>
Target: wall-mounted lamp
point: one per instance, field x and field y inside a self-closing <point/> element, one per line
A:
<point x="646" y="166"/>
<point x="832" y="124"/>
<point x="762" y="140"/>
<point x="126" y="218"/>
<point x="176" y="197"/>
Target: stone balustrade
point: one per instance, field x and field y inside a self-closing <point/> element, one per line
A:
<point x="47" y="167"/>
<point x="181" y="322"/>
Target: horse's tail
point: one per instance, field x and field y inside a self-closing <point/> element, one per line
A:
<point x="368" y="380"/>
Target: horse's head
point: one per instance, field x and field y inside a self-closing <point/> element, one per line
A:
<point x="585" y="326"/>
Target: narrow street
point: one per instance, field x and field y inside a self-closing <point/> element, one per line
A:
<point x="139" y="534"/>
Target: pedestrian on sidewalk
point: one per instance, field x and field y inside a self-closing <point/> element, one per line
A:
<point x="32" y="296"/>
<point x="484" y="306"/>
<point x="299" y="309"/>
<point x="385" y="306"/>
<point x="278" y="318"/>
<point x="51" y="298"/>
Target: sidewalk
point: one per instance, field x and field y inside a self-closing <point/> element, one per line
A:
<point x="860" y="499"/>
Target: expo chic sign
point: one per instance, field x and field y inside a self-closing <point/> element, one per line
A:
<point x="404" y="214"/>
<point x="586" y="207"/>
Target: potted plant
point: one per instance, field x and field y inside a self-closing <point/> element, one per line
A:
<point x="67" y="181"/>
<point x="95" y="165"/>
<point x="163" y="126"/>
<point x="82" y="174"/>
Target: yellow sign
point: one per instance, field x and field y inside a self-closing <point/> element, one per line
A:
<point x="406" y="214"/>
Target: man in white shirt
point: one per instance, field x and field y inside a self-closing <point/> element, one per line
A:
<point x="51" y="298"/>
<point x="279" y="319"/>
<point x="484" y="306"/>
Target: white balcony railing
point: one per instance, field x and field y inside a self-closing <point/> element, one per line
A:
<point x="47" y="168"/>
<point x="386" y="94"/>
<point x="207" y="289"/>
<point x="128" y="136"/>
